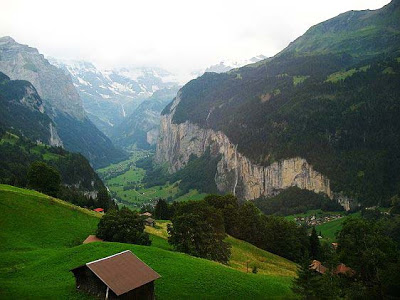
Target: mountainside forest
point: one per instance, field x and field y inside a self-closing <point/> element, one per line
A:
<point x="331" y="97"/>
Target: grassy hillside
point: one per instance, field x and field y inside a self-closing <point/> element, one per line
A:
<point x="39" y="244"/>
<point x="330" y="229"/>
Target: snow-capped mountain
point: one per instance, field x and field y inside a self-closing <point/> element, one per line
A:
<point x="111" y="95"/>
<point x="227" y="65"/>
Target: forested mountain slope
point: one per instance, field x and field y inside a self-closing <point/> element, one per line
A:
<point x="316" y="116"/>
<point x="22" y="109"/>
<point x="18" y="153"/>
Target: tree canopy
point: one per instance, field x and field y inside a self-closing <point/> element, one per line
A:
<point x="44" y="178"/>
<point x="124" y="226"/>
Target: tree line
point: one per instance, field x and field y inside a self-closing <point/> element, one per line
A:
<point x="215" y="216"/>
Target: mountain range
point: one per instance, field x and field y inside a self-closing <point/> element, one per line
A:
<point x="320" y="115"/>
<point x="60" y="102"/>
<point x="109" y="96"/>
<point x="227" y="65"/>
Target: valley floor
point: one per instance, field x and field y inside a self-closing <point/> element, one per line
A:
<point x="124" y="180"/>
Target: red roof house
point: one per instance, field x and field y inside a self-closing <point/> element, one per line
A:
<point x="100" y="210"/>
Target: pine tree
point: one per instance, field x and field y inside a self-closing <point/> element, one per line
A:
<point x="315" y="246"/>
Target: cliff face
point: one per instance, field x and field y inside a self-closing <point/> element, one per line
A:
<point x="235" y="173"/>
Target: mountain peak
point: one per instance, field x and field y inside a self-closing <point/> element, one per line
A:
<point x="7" y="39"/>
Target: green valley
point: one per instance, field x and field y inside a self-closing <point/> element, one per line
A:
<point x="125" y="182"/>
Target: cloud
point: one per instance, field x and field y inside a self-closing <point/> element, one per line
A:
<point x="181" y="36"/>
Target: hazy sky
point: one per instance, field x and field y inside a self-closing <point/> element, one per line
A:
<point x="180" y="36"/>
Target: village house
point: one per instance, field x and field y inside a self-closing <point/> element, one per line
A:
<point x="146" y="214"/>
<point x="119" y="276"/>
<point x="92" y="238"/>
<point x="99" y="210"/>
<point x="341" y="269"/>
<point x="149" y="222"/>
<point x="317" y="266"/>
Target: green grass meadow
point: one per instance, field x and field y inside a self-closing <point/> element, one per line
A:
<point x="40" y="241"/>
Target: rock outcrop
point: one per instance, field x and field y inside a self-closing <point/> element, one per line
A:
<point x="235" y="173"/>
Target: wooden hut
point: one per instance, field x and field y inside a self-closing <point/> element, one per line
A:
<point x="119" y="276"/>
<point x="91" y="239"/>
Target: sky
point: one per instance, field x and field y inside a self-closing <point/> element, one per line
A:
<point x="179" y="36"/>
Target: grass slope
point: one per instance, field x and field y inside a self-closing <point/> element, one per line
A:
<point x="38" y="246"/>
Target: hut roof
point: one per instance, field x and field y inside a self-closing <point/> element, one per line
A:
<point x="92" y="238"/>
<point x="122" y="272"/>
<point x="343" y="269"/>
<point x="147" y="214"/>
<point x="99" y="209"/>
<point x="317" y="266"/>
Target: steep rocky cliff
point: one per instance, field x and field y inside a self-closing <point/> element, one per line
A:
<point x="235" y="172"/>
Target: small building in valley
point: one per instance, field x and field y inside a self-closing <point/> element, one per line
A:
<point x="317" y="266"/>
<point x="92" y="238"/>
<point x="99" y="210"/>
<point x="146" y="214"/>
<point x="344" y="270"/>
<point x="341" y="269"/>
<point x="119" y="276"/>
<point x="149" y="222"/>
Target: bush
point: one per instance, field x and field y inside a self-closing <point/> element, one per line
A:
<point x="122" y="226"/>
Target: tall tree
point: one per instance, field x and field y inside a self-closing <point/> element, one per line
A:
<point x="44" y="178"/>
<point x="228" y="205"/>
<point x="198" y="229"/>
<point x="104" y="200"/>
<point x="161" y="211"/>
<point x="315" y="246"/>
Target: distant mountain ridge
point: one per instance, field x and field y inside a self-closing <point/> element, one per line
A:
<point x="141" y="128"/>
<point x="111" y="95"/>
<point x="62" y="102"/>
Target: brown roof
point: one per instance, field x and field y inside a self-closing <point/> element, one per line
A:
<point x="147" y="214"/>
<point x="122" y="272"/>
<point x="343" y="269"/>
<point x="317" y="266"/>
<point x="92" y="238"/>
